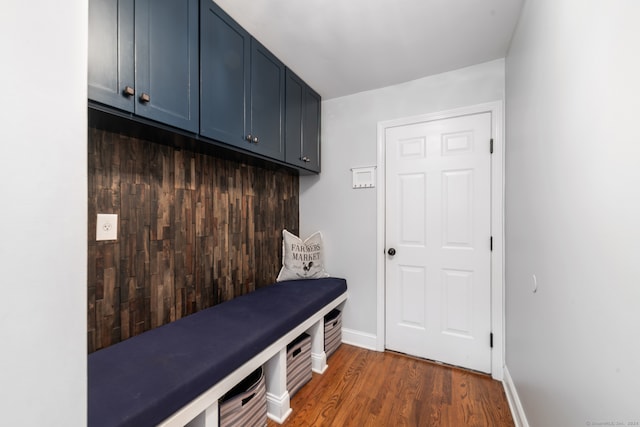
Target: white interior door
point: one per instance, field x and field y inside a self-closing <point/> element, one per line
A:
<point x="438" y="228"/>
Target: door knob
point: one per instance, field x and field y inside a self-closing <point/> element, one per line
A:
<point x="391" y="251"/>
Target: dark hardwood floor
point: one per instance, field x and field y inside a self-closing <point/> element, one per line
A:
<point x="368" y="388"/>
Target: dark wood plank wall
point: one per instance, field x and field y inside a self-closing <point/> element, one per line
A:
<point x="194" y="230"/>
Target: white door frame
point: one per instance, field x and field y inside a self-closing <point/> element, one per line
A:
<point x="497" y="223"/>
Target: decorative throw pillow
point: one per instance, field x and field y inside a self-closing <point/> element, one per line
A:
<point x="301" y="259"/>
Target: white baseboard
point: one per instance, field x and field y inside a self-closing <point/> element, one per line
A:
<point x="359" y="339"/>
<point x="519" y="417"/>
<point x="369" y="341"/>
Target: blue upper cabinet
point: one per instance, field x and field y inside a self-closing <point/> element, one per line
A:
<point x="302" y="129"/>
<point x="225" y="70"/>
<point x="167" y="66"/>
<point x="143" y="58"/>
<point x="189" y="65"/>
<point x="242" y="87"/>
<point x="267" y="102"/>
<point x="111" y="67"/>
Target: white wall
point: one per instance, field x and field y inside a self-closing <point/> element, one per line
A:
<point x="43" y="195"/>
<point x="347" y="217"/>
<point x="573" y="211"/>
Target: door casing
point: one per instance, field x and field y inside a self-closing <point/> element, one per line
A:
<point x="497" y="223"/>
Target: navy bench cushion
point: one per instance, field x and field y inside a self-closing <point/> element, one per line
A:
<point x="145" y="379"/>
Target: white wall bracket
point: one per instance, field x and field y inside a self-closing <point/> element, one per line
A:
<point x="364" y="177"/>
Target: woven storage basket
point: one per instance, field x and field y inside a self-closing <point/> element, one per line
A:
<point x="298" y="363"/>
<point x="245" y="405"/>
<point x="332" y="331"/>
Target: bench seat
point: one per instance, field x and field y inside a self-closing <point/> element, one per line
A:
<point x="143" y="380"/>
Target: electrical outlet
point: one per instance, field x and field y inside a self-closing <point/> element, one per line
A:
<point x="107" y="227"/>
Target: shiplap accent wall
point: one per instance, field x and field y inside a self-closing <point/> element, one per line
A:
<point x="194" y="230"/>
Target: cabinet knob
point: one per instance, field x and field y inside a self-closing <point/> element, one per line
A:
<point x="144" y="97"/>
<point x="255" y="140"/>
<point x="128" y="91"/>
<point x="305" y="159"/>
<point x="249" y="138"/>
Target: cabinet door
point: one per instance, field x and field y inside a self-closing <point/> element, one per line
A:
<point x="302" y="137"/>
<point x="111" y="52"/>
<point x="267" y="102"/>
<point x="311" y="129"/>
<point x="293" y="119"/>
<point x="166" y="58"/>
<point x="225" y="50"/>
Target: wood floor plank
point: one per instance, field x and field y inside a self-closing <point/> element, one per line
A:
<point x="368" y="388"/>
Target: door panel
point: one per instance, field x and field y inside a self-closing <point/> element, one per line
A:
<point x="438" y="220"/>
<point x="457" y="194"/>
<point x="457" y="302"/>
<point x="412" y="206"/>
<point x="412" y="288"/>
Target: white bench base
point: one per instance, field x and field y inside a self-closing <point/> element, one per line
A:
<point x="203" y="410"/>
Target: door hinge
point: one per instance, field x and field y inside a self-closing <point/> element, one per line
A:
<point x="491" y="146"/>
<point x="491" y="340"/>
<point x="491" y="243"/>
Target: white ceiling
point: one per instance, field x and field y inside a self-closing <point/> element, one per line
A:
<point x="341" y="47"/>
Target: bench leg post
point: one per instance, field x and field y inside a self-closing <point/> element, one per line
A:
<point x="278" y="401"/>
<point x="318" y="356"/>
<point x="211" y="418"/>
<point x="208" y="418"/>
